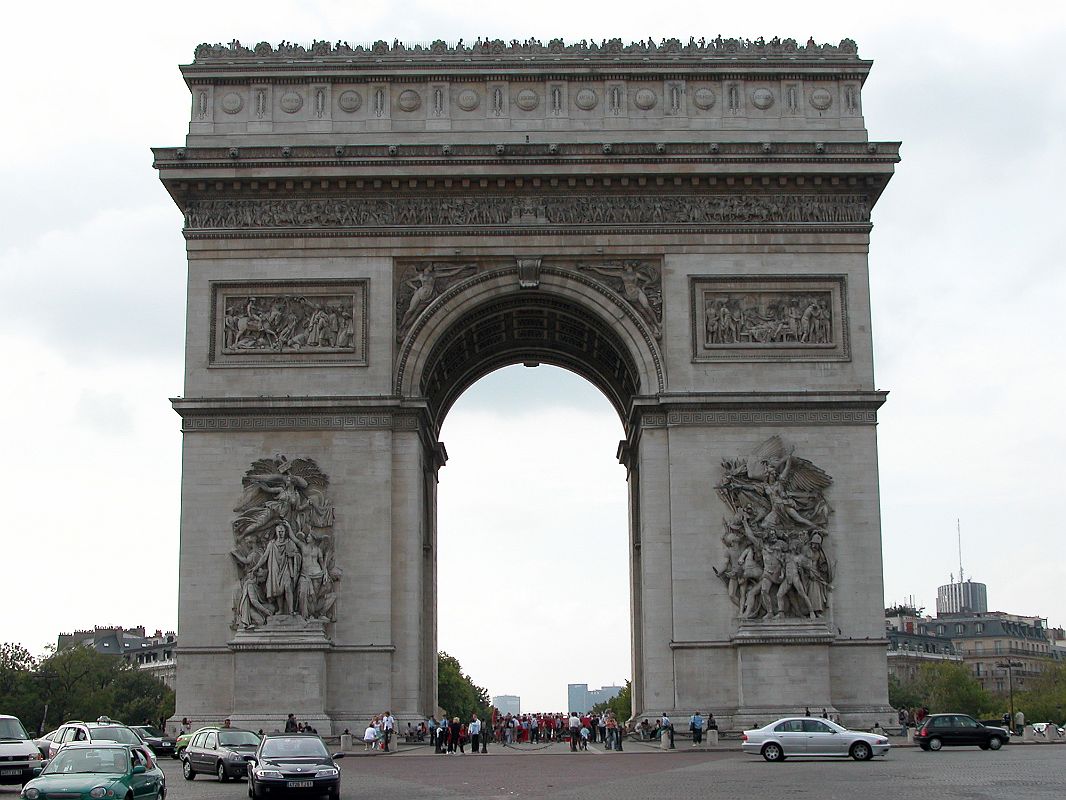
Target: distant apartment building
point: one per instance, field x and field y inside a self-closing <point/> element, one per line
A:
<point x="507" y="703"/>
<point x="153" y="653"/>
<point x="985" y="642"/>
<point x="582" y="699"/>
<point x="910" y="644"/>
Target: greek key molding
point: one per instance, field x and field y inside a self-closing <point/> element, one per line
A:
<point x="758" y="418"/>
<point x="527" y="211"/>
<point x="295" y="422"/>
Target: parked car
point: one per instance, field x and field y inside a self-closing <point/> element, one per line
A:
<point x="958" y="730"/>
<point x="104" y="729"/>
<point x="18" y="752"/>
<point x="811" y="737"/>
<point x="224" y="752"/>
<point x="90" y="770"/>
<point x="293" y="763"/>
<point x="161" y="744"/>
<point x="43" y="742"/>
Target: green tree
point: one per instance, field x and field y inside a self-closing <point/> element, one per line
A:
<point x="904" y="694"/>
<point x="621" y="704"/>
<point x="138" y="697"/>
<point x="1044" y="699"/>
<point x="457" y="694"/>
<point x="19" y="690"/>
<point x="951" y="687"/>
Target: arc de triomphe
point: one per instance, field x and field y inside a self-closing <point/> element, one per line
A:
<point x="372" y="229"/>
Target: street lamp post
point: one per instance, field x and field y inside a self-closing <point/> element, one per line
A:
<point x="1009" y="666"/>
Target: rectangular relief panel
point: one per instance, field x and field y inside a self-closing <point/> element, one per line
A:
<point x="288" y="323"/>
<point x="768" y="318"/>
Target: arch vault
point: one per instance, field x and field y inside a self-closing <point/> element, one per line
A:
<point x="370" y="231"/>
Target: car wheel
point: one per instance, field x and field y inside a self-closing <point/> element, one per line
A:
<point x="995" y="743"/>
<point x="935" y="744"/>
<point x="223" y="776"/>
<point x="861" y="751"/>
<point x="187" y="771"/>
<point x="773" y="752"/>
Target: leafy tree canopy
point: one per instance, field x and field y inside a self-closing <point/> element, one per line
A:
<point x="621" y="704"/>
<point x="457" y="694"/>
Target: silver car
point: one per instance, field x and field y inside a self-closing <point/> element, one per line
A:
<point x="813" y="737"/>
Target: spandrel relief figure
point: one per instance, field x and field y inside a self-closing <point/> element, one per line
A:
<point x="639" y="284"/>
<point x="285" y="555"/>
<point x="418" y="290"/>
<point x="775" y="566"/>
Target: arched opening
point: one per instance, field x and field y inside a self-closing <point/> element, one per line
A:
<point x="531" y="568"/>
<point x="532" y="555"/>
<point x="528" y="328"/>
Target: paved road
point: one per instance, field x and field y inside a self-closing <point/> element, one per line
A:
<point x="1015" y="773"/>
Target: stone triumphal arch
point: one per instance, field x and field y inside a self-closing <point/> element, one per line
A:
<point x="372" y="229"/>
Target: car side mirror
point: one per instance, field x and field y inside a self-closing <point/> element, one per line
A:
<point x="252" y="762"/>
<point x="138" y="769"/>
<point x="337" y="755"/>
<point x="37" y="771"/>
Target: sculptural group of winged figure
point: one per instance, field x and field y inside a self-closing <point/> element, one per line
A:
<point x="284" y="546"/>
<point x="775" y="563"/>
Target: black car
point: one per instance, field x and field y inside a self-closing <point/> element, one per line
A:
<point x="161" y="744"/>
<point x="958" y="730"/>
<point x="293" y="763"/>
<point x="224" y="752"/>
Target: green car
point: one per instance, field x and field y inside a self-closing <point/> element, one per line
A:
<point x="99" y="770"/>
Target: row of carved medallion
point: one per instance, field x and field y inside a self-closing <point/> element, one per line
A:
<point x="545" y="209"/>
<point x="555" y="99"/>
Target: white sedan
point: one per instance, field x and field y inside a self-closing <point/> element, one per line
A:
<point x="812" y="737"/>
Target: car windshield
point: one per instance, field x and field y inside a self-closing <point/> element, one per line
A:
<point x="88" y="759"/>
<point x="287" y="747"/>
<point x="116" y="733"/>
<point x="148" y="730"/>
<point x="237" y="738"/>
<point x="11" y="728"/>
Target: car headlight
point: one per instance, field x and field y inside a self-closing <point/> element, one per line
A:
<point x="101" y="792"/>
<point x="328" y="772"/>
<point x="31" y="794"/>
<point x="268" y="773"/>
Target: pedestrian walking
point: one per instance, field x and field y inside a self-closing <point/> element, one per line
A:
<point x="474" y="729"/>
<point x="695" y="726"/>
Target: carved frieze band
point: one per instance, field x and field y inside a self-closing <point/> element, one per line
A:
<point x="289" y="323"/>
<point x="766" y="318"/>
<point x="762" y="417"/>
<point x="407" y="212"/>
<point x="290" y="422"/>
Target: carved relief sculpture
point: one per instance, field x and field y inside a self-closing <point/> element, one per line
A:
<point x="724" y="209"/>
<point x="289" y="324"/>
<point x="775" y="563"/>
<point x="639" y="283"/>
<point x="419" y="286"/>
<point x="767" y="318"/>
<point x="284" y="548"/>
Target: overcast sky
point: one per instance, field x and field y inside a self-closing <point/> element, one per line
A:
<point x="967" y="282"/>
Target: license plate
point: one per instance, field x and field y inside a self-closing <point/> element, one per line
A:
<point x="300" y="784"/>
<point x="10" y="771"/>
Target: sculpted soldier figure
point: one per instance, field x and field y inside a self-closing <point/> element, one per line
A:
<point x="292" y="569"/>
<point x="780" y="510"/>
